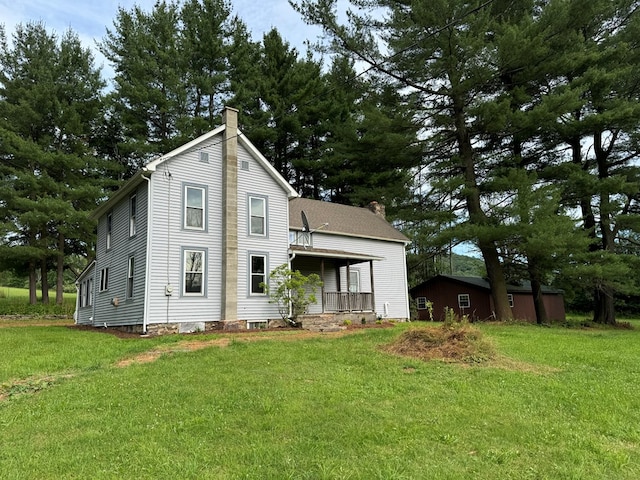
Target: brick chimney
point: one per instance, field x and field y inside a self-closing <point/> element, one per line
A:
<point x="377" y="208"/>
<point x="230" y="215"/>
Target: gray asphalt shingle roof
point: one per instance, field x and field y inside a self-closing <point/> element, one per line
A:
<point x="342" y="220"/>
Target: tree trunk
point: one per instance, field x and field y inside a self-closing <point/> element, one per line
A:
<point x="60" y="270"/>
<point x="45" y="281"/>
<point x="604" y="305"/>
<point x="33" y="292"/>
<point x="536" y="292"/>
<point x="488" y="248"/>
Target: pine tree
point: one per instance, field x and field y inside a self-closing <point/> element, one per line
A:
<point x="49" y="106"/>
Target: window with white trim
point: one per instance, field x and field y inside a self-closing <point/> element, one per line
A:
<point x="257" y="274"/>
<point x="421" y="303"/>
<point x="130" y="273"/>
<point x="464" y="301"/>
<point x="104" y="279"/>
<point x="133" y="207"/>
<point x="510" y="299"/>
<point x="194" y="207"/>
<point x="86" y="294"/>
<point x="109" y="229"/>
<point x="257" y="216"/>
<point x="193" y="272"/>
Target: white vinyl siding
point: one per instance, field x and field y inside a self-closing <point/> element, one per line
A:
<point x="171" y="238"/>
<point x="256" y="183"/>
<point x="389" y="274"/>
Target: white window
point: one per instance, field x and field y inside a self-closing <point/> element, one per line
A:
<point x="104" y="279"/>
<point x="133" y="207"/>
<point x="354" y="281"/>
<point x="194" y="202"/>
<point x="257" y="216"/>
<point x="463" y="300"/>
<point x="257" y="274"/>
<point x="510" y="298"/>
<point x="109" y="229"/>
<point x="194" y="268"/>
<point x="86" y="297"/>
<point x="421" y="302"/>
<point x="130" y="272"/>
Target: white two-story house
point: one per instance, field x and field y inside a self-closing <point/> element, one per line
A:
<point x="187" y="242"/>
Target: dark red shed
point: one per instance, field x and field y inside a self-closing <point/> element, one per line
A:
<point x="472" y="296"/>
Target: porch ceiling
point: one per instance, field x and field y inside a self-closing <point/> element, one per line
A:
<point x="326" y="253"/>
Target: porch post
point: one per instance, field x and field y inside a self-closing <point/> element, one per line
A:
<point x="322" y="278"/>
<point x="373" y="290"/>
<point x="348" y="285"/>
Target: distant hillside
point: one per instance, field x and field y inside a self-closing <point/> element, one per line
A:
<point x="466" y="266"/>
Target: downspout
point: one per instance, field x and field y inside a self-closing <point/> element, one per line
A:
<point x="94" y="297"/>
<point x="147" y="267"/>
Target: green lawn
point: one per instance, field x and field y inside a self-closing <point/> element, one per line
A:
<point x="561" y="404"/>
<point x="15" y="301"/>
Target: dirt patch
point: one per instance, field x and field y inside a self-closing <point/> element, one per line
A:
<point x="243" y="336"/>
<point x="7" y="321"/>
<point x="29" y="385"/>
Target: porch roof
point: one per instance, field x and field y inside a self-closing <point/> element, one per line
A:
<point x="326" y="253"/>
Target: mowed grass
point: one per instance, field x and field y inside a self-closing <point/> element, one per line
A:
<point x="15" y="301"/>
<point x="558" y="404"/>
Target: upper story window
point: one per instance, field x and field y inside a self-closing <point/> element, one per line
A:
<point x="104" y="279"/>
<point x="257" y="216"/>
<point x="194" y="207"/>
<point x="109" y="229"/>
<point x="300" y="238"/>
<point x="133" y="208"/>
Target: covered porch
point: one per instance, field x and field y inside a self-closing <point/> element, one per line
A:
<point x="348" y="284"/>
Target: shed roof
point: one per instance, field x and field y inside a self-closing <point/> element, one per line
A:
<point x="484" y="284"/>
<point x="334" y="218"/>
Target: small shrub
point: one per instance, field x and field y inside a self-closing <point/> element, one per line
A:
<point x="347" y="322"/>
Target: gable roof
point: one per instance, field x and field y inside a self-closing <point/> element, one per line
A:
<point x="483" y="284"/>
<point x="342" y="220"/>
<point x="152" y="166"/>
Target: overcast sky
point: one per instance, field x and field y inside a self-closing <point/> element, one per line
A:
<point x="90" y="18"/>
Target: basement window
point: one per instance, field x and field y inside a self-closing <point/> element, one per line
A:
<point x="256" y="324"/>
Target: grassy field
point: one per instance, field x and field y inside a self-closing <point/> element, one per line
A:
<point x="558" y="404"/>
<point x="15" y="301"/>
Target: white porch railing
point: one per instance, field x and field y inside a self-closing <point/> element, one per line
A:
<point x="347" y="302"/>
